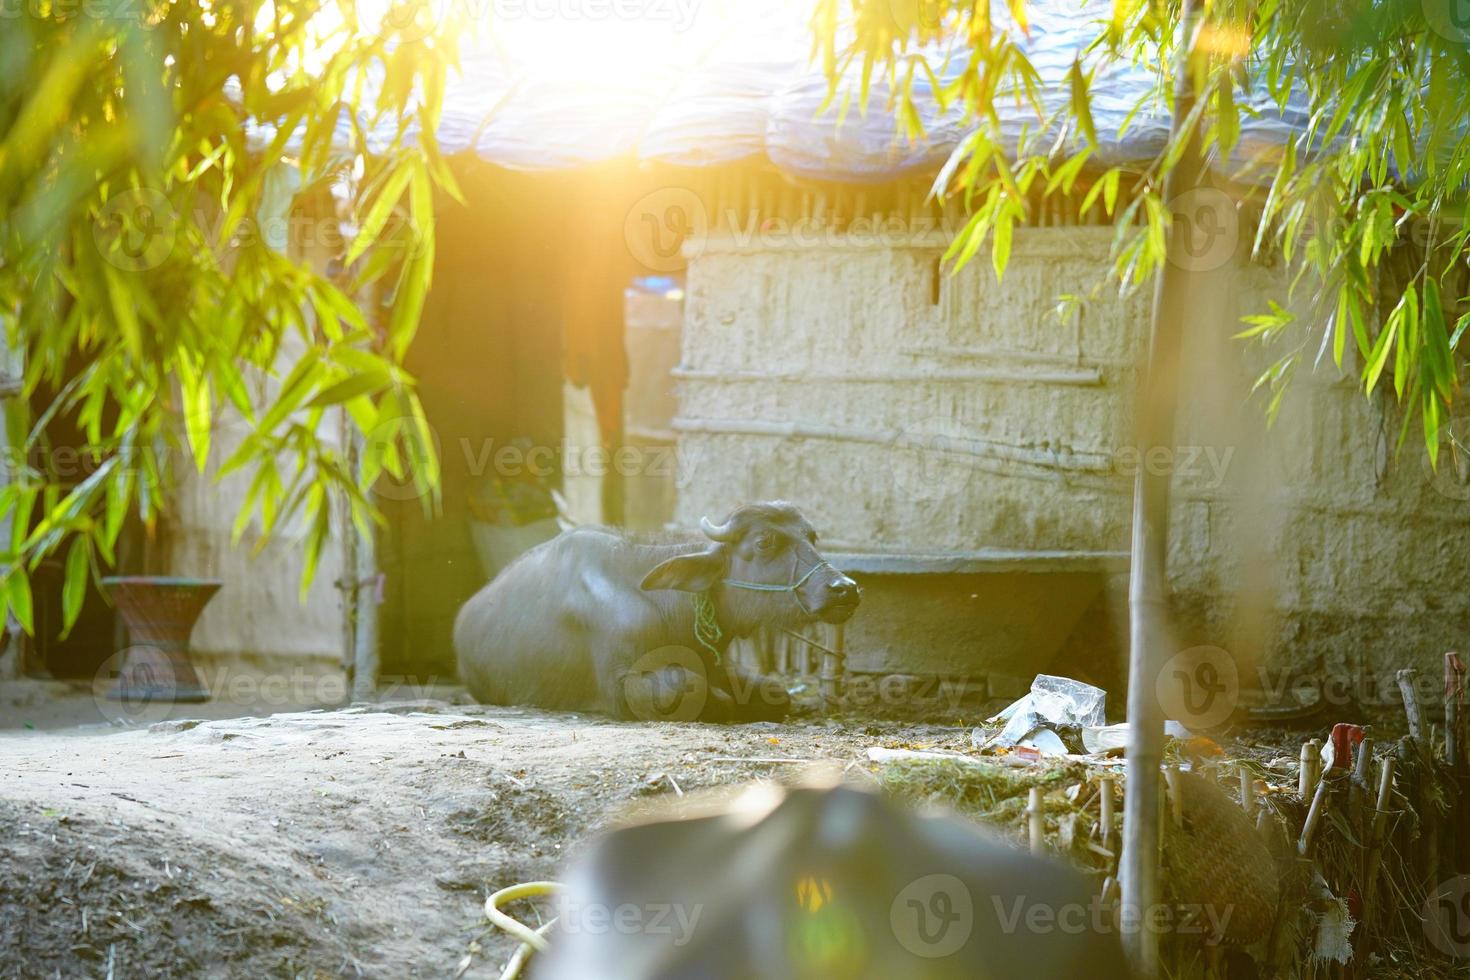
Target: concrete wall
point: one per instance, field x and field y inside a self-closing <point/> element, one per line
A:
<point x="909" y="411"/>
<point x="259" y="614"/>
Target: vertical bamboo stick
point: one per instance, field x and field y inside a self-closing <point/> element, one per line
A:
<point x="1175" y="305"/>
<point x="1033" y="811"/>
<point x="833" y="666"/>
<point x="1314" y="817"/>
<point x="1306" y="780"/>
<point x="1176" y="799"/>
<point x="1380" y="825"/>
<point x="1247" y="792"/>
<point x="1408" y="680"/>
<point x="1105" y="797"/>
<point x="1454" y="723"/>
<point x="1360" y="772"/>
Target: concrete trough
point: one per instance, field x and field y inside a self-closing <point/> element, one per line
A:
<point x="993" y="617"/>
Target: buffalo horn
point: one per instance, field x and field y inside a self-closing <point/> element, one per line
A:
<point x="717" y="532"/>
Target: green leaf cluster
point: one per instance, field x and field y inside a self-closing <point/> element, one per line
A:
<point x="142" y="148"/>
<point x="1366" y="206"/>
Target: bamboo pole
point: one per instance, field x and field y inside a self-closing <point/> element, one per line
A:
<point x="1148" y="583"/>
<point x="1375" y="852"/>
<point x="1454" y="722"/>
<point x="1360" y="772"/>
<point x="833" y="667"/>
<point x="1310" y="768"/>
<point x="1408" y="687"/>
<point x="1247" y="792"/>
<point x="1408" y="679"/>
<point x="1314" y="817"/>
<point x="1033" y="811"/>
<point x="1176" y="796"/>
<point x="1454" y="755"/>
<point x="1105" y="800"/>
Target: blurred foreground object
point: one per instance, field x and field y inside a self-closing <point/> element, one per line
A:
<point x="828" y="883"/>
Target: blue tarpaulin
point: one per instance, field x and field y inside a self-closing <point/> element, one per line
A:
<point x="747" y="89"/>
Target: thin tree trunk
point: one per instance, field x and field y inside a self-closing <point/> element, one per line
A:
<point x="1148" y="593"/>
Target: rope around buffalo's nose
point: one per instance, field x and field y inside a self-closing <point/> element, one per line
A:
<point x="707" y="630"/>
<point x="532" y="940"/>
<point x="791" y="587"/>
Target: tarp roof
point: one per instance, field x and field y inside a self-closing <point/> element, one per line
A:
<point x="739" y="84"/>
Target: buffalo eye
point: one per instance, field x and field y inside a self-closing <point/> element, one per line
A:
<point x="767" y="542"/>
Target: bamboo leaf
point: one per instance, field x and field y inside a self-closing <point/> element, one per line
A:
<point x="350" y="388"/>
<point x="198" y="410"/>
<point x="1000" y="249"/>
<point x="18" y="596"/>
<point x="377" y="216"/>
<point x="1378" y="357"/>
<point x="1081" y="103"/>
<point x="409" y="307"/>
<point x="74" y="583"/>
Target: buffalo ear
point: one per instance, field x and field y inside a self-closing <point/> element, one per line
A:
<point x="698" y="572"/>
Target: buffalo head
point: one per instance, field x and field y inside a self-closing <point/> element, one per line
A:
<point x="763" y="561"/>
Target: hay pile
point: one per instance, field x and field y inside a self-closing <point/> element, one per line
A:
<point x="1348" y="897"/>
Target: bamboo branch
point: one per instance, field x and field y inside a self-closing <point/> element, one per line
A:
<point x="1407" y="679"/>
<point x="1375" y="851"/>
<point x="1454" y="721"/>
<point x="1314" y="817"/>
<point x="1033" y="811"/>
<point x="1148" y="582"/>
<point x="1176" y="802"/>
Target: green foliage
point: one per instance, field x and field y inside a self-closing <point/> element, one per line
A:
<point x="1367" y="208"/>
<point x="138" y="280"/>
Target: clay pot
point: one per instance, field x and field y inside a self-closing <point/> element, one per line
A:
<point x="160" y="613"/>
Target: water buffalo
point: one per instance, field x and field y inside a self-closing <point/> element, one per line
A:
<point x="595" y="620"/>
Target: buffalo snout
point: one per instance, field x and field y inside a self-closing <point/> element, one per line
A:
<point x="837" y="599"/>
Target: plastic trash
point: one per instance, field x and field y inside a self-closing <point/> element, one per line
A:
<point x="1053" y="703"/>
<point x="1116" y="736"/>
<point x="1046" y="740"/>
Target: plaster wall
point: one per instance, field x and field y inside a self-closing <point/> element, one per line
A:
<point x="910" y="411"/>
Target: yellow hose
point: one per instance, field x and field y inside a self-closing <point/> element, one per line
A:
<point x="531" y="939"/>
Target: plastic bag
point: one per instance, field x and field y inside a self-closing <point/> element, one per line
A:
<point x="1052" y="702"/>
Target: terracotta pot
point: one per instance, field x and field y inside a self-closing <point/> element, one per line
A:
<point x="160" y="613"/>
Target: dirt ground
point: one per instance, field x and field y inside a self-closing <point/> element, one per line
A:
<point x="359" y="841"/>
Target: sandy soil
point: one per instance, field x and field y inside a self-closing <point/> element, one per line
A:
<point x="359" y="841"/>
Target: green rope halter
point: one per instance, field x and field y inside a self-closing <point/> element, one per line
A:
<point x="793" y="586"/>
<point x="706" y="626"/>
